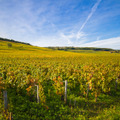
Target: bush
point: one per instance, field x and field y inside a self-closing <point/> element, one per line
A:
<point x="9" y="45"/>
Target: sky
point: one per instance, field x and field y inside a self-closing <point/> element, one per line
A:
<point x="80" y="23"/>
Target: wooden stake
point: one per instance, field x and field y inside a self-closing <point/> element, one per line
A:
<point x="10" y="116"/>
<point x="65" y="99"/>
<point x="116" y="84"/>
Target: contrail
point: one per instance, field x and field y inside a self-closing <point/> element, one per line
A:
<point x="90" y="15"/>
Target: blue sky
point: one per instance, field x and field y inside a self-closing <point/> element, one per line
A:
<point x="81" y="23"/>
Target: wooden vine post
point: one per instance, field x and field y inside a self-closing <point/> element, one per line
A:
<point x="65" y="98"/>
<point x="38" y="99"/>
<point x="116" y="82"/>
<point x="10" y="116"/>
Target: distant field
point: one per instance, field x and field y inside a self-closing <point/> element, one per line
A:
<point x="93" y="89"/>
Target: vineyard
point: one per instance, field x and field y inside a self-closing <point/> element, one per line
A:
<point x="32" y="84"/>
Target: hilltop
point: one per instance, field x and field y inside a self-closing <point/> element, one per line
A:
<point x="11" y="40"/>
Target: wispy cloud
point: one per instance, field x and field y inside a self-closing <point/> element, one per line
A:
<point x="70" y="38"/>
<point x="90" y="15"/>
<point x="105" y="43"/>
<point x="85" y="22"/>
<point x="22" y="21"/>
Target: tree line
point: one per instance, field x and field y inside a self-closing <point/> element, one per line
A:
<point x="83" y="48"/>
<point x="11" y="40"/>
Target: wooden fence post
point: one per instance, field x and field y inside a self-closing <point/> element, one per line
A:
<point x="65" y="99"/>
<point x="5" y="100"/>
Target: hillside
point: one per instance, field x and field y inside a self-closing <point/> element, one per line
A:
<point x="14" y="48"/>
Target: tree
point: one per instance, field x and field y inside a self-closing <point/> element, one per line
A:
<point x="9" y="45"/>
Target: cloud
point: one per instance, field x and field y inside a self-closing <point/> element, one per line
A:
<point x="67" y="37"/>
<point x="105" y="43"/>
<point x="90" y="15"/>
<point x="44" y="41"/>
<point x="80" y="35"/>
<point x="24" y="21"/>
<point x="70" y="37"/>
<point x="85" y="22"/>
